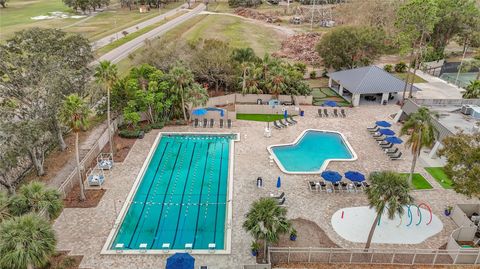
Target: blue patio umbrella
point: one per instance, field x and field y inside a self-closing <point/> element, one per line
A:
<point x="383" y="123"/>
<point x="279" y="183"/>
<point x="355" y="176"/>
<point x="331" y="176"/>
<point x="180" y="261"/>
<point x="330" y="103"/>
<point x="199" y="112"/>
<point x="386" y="132"/>
<point x="394" y="140"/>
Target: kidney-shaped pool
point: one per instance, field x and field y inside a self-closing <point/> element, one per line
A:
<point x="311" y="152"/>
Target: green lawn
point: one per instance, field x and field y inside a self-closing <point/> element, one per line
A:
<point x="259" y="117"/>
<point x="232" y="29"/>
<point x="17" y="16"/>
<point x="438" y="173"/>
<point x="419" y="182"/>
<point x="134" y="35"/>
<point x="321" y="95"/>
<point x="402" y="76"/>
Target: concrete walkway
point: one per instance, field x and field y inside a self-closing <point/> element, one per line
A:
<point x="124" y="50"/>
<point x="113" y="37"/>
<point x="436" y="88"/>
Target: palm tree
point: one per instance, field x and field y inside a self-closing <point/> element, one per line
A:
<point x="27" y="241"/>
<point x="245" y="57"/>
<point x="106" y="73"/>
<point x="75" y="114"/>
<point x="4" y="206"/>
<point x="472" y="91"/>
<point x="277" y="82"/>
<point x="36" y="197"/>
<point x="388" y="191"/>
<point x="182" y="79"/>
<point x="197" y="95"/>
<point x="266" y="220"/>
<point x="422" y="134"/>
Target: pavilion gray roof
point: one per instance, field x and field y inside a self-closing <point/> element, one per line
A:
<point x="369" y="79"/>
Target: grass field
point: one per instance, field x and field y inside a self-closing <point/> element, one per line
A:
<point x="17" y="16"/>
<point x="238" y="32"/>
<point x="402" y="76"/>
<point x="419" y="182"/>
<point x="438" y="173"/>
<point x="321" y="95"/>
<point x="234" y="30"/>
<point x="134" y="35"/>
<point x="259" y="117"/>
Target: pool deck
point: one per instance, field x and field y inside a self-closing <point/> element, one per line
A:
<point x="84" y="231"/>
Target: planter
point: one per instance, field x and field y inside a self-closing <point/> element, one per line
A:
<point x="293" y="237"/>
<point x="447" y="212"/>
<point x="254" y="253"/>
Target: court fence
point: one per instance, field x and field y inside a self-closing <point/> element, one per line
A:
<point x="290" y="255"/>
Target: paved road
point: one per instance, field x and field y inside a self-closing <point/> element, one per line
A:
<point x="124" y="50"/>
<point x="110" y="38"/>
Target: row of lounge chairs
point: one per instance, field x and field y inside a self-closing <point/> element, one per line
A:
<point x="341" y="186"/>
<point x="211" y="123"/>
<point x="335" y="112"/>
<point x="279" y="124"/>
<point x="392" y="152"/>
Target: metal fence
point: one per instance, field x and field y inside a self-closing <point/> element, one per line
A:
<point x="91" y="155"/>
<point x="279" y="256"/>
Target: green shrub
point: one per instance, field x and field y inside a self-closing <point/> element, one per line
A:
<point x="146" y="128"/>
<point x="157" y="125"/>
<point x="388" y="68"/>
<point x="130" y="133"/>
<point x="401" y="67"/>
<point x="313" y="74"/>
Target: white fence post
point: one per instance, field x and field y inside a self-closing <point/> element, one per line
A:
<point x="309" y="254"/>
<point x="393" y="256"/>
<point x="414" y="256"/>
<point x="456" y="257"/>
<point x="371" y="259"/>
<point x="330" y="255"/>
<point x="478" y="257"/>
<point x="288" y="258"/>
<point x="435" y="257"/>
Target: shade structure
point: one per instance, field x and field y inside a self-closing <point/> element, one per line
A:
<point x="180" y="261"/>
<point x="331" y="176"/>
<point x="386" y="132"/>
<point x="279" y="182"/>
<point x="330" y="103"/>
<point x="199" y="112"/>
<point x="355" y="176"/>
<point x="394" y="140"/>
<point x="383" y="123"/>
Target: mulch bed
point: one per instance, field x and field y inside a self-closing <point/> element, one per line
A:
<point x="64" y="261"/>
<point x="73" y="198"/>
<point x="122" y="147"/>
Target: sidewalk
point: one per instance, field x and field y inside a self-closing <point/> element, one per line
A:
<point x="110" y="38"/>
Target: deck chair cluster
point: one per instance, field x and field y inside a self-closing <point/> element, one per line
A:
<point x="325" y="113"/>
<point x="344" y="185"/>
<point x="211" y="123"/>
<point x="392" y="152"/>
<point x="284" y="123"/>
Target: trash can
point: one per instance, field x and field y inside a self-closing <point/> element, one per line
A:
<point x="302" y="113"/>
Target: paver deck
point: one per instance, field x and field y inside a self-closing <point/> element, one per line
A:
<point x="84" y="231"/>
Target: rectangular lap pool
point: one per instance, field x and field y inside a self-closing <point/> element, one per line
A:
<point x="181" y="197"/>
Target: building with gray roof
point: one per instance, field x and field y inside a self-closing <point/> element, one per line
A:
<point x="369" y="83"/>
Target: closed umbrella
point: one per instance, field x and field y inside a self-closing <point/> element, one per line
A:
<point x="383" y="123"/>
<point x="386" y="132"/>
<point x="394" y="140"/>
<point x="279" y="183"/>
<point x="285" y="114"/>
<point x="331" y="176"/>
<point x="180" y="261"/>
<point x="355" y="176"/>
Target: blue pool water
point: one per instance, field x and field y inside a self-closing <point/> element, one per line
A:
<point x="311" y="151"/>
<point x="182" y="196"/>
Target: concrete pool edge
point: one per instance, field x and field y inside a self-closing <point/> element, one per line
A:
<point x="325" y="163"/>
<point x="106" y="249"/>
